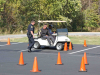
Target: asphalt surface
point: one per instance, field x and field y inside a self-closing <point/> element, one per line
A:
<point x="47" y="58"/>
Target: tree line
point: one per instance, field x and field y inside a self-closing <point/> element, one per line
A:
<point x="80" y="15"/>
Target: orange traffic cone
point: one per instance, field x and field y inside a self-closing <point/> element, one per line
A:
<point x="59" y="62"/>
<point x="28" y="45"/>
<point x="8" y="43"/>
<point x="21" y="60"/>
<point x="70" y="46"/>
<point x="85" y="59"/>
<point x="82" y="67"/>
<point x="85" y="43"/>
<point x="65" y="47"/>
<point x="35" y="66"/>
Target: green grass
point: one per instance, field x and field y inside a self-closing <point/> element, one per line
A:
<point x="25" y="39"/>
<point x="90" y="40"/>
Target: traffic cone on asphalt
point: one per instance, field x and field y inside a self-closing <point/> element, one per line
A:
<point x="35" y="66"/>
<point x="82" y="67"/>
<point x="59" y="62"/>
<point x="8" y="43"/>
<point x="21" y="60"/>
<point x="85" y="45"/>
<point x="28" y="45"/>
<point x="85" y="59"/>
<point x="65" y="47"/>
<point x="70" y="46"/>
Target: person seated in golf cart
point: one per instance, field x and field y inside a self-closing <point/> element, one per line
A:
<point x="50" y="30"/>
<point x="45" y="34"/>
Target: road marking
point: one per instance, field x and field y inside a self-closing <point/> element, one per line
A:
<point x="84" y="50"/>
<point x="16" y="43"/>
<point x="23" y="50"/>
<point x="3" y="45"/>
<point x="12" y="43"/>
<point x="21" y="42"/>
<point x="82" y="55"/>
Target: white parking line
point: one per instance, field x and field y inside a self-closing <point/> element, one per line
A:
<point x="11" y="43"/>
<point x="84" y="50"/>
<point x="3" y="45"/>
<point x="16" y="43"/>
<point x="26" y="50"/>
<point x="23" y="50"/>
<point x="82" y="55"/>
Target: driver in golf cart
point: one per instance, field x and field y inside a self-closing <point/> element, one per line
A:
<point x="45" y="34"/>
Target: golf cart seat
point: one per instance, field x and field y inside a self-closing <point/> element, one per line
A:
<point x="38" y="34"/>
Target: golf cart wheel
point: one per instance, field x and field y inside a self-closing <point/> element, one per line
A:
<point x="59" y="46"/>
<point x="36" y="45"/>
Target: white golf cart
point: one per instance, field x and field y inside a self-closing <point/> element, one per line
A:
<point x="61" y="37"/>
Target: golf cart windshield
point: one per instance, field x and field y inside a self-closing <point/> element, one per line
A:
<point x="63" y="31"/>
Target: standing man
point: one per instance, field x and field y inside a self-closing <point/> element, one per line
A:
<point x="30" y="35"/>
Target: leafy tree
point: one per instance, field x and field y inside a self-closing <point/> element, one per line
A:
<point x="92" y="17"/>
<point x="15" y="15"/>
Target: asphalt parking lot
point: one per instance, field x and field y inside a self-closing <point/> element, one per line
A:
<point x="47" y="58"/>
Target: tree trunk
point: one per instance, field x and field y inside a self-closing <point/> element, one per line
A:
<point x="89" y="3"/>
<point x="99" y="7"/>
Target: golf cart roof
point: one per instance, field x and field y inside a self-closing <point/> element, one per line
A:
<point x="49" y="21"/>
